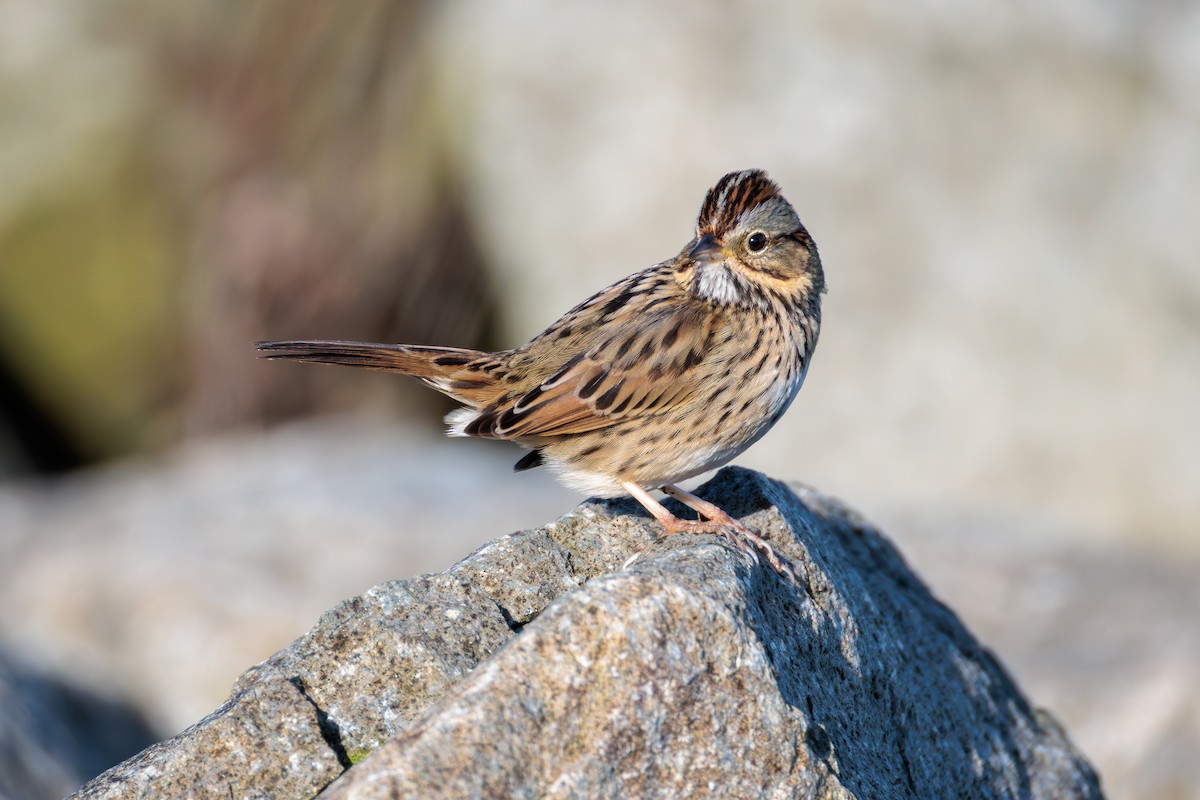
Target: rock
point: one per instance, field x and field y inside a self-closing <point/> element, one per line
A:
<point x="589" y="658"/>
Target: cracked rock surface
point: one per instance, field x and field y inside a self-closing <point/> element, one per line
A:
<point x="590" y="658"/>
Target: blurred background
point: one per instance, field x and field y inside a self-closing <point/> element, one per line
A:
<point x="1005" y="198"/>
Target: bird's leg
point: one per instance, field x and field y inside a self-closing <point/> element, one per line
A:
<point x="672" y="523"/>
<point x="734" y="530"/>
<point x="716" y="521"/>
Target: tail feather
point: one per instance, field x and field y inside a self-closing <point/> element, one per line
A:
<point x="434" y="363"/>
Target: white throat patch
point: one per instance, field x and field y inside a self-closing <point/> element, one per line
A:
<point x="717" y="284"/>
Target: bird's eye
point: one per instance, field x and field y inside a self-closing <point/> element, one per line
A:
<point x="757" y="242"/>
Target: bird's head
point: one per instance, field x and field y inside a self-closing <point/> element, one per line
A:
<point x="750" y="247"/>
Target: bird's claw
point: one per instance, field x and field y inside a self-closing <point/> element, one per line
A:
<point x="741" y="536"/>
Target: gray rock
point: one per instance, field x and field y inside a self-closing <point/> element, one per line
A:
<point x="589" y="658"/>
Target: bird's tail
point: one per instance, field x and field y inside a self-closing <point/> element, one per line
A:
<point x="465" y="375"/>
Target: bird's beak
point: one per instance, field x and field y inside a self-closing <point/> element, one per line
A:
<point x="706" y="250"/>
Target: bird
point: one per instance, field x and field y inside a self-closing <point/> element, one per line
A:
<point x="668" y="373"/>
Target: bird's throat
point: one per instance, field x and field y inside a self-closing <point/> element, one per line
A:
<point x="718" y="284"/>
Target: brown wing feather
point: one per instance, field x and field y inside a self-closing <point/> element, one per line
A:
<point x="654" y="363"/>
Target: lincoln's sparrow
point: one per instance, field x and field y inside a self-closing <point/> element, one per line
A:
<point x="670" y="372"/>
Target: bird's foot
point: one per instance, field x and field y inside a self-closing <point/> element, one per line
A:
<point x="740" y="535"/>
<point x="715" y="521"/>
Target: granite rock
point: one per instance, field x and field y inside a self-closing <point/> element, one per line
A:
<point x="590" y="658"/>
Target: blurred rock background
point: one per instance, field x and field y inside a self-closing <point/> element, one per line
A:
<point x="1004" y="197"/>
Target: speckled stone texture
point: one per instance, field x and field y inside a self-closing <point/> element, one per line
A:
<point x="589" y="658"/>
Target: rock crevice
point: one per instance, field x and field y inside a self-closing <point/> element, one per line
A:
<point x="329" y="729"/>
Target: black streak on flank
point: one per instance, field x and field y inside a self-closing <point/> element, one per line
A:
<point x="589" y="451"/>
<point x="762" y="362"/>
<point x="758" y="340"/>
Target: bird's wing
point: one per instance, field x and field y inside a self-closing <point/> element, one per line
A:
<point x="648" y="364"/>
